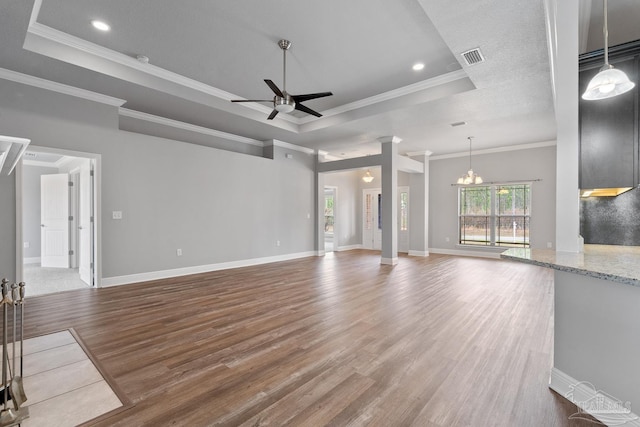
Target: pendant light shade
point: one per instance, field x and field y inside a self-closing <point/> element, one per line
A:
<point x="470" y="177"/>
<point x="609" y="82"/>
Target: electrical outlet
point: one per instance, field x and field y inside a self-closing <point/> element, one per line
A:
<point x="549" y="245"/>
<point x="446" y="239"/>
<point x="26" y="245"/>
<point x="116" y="214"/>
<point x="277" y="242"/>
<point x="179" y="252"/>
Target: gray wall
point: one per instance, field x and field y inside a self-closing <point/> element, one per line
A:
<point x="611" y="220"/>
<point x="536" y="163"/>
<point x="31" y="207"/>
<point x="215" y="205"/>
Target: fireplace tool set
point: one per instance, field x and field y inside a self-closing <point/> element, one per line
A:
<point x="12" y="393"/>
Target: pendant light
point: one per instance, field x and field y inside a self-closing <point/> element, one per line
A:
<point x="470" y="177"/>
<point x="367" y="177"/>
<point x="609" y="82"/>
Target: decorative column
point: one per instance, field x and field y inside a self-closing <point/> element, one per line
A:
<point x="389" y="199"/>
<point x="419" y="207"/>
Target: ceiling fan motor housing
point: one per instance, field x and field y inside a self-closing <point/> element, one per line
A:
<point x="284" y="104"/>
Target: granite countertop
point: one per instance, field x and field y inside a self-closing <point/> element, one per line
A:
<point x="616" y="263"/>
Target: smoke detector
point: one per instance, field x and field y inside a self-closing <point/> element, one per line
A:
<point x="473" y="56"/>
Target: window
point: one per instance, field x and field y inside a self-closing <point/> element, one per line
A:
<point x="494" y="215"/>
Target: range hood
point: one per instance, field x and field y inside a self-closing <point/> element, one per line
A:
<point x="603" y="192"/>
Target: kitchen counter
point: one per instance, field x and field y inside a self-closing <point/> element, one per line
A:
<point x="596" y="325"/>
<point x="615" y="263"/>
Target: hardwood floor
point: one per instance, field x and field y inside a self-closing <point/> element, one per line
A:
<point x="338" y="340"/>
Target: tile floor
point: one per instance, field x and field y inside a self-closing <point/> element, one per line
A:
<point x="62" y="385"/>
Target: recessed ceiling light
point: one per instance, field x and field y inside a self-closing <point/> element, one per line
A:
<point x="100" y="25"/>
<point x="418" y="66"/>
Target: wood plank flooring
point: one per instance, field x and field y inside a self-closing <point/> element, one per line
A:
<point x="336" y="340"/>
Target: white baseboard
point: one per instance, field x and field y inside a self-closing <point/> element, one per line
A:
<point x="166" y="274"/>
<point x="349" y="247"/>
<point x="419" y="253"/>
<point x="34" y="260"/>
<point x="389" y="261"/>
<point x="597" y="403"/>
<point x="462" y="252"/>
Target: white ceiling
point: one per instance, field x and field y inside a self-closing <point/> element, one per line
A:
<point x="204" y="53"/>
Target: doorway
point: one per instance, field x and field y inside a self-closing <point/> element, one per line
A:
<point x="372" y="219"/>
<point x="330" y="235"/>
<point x="57" y="221"/>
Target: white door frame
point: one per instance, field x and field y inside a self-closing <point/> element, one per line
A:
<point x="97" y="203"/>
<point x="334" y="190"/>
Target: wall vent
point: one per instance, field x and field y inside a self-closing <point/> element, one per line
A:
<point x="473" y="56"/>
<point x="30" y="155"/>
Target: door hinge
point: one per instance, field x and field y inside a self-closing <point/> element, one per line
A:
<point x="70" y="252"/>
<point x="91" y="265"/>
<point x="91" y="219"/>
<point x="70" y="217"/>
<point x="91" y="172"/>
<point x="70" y="183"/>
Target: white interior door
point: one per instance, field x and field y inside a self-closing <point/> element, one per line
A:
<point x="372" y="220"/>
<point x="85" y="232"/>
<point x="54" y="232"/>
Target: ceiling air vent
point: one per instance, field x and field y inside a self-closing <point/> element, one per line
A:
<point x="30" y="155"/>
<point x="473" y="56"/>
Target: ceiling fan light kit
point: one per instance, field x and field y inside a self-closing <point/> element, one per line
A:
<point x="283" y="102"/>
<point x="609" y="82"/>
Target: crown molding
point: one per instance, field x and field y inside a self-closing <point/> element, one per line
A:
<point x="392" y="94"/>
<point x="496" y="150"/>
<point x="125" y="112"/>
<point x="59" y="87"/>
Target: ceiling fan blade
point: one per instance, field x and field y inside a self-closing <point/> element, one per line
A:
<point x="308" y="96"/>
<point x="274" y="88"/>
<point x="252" y="100"/>
<point x="307" y="110"/>
<point x="273" y="114"/>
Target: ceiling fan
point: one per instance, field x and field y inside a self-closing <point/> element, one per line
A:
<point x="284" y="102"/>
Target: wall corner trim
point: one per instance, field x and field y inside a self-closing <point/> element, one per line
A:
<point x="597" y="403"/>
<point x="184" y="271"/>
